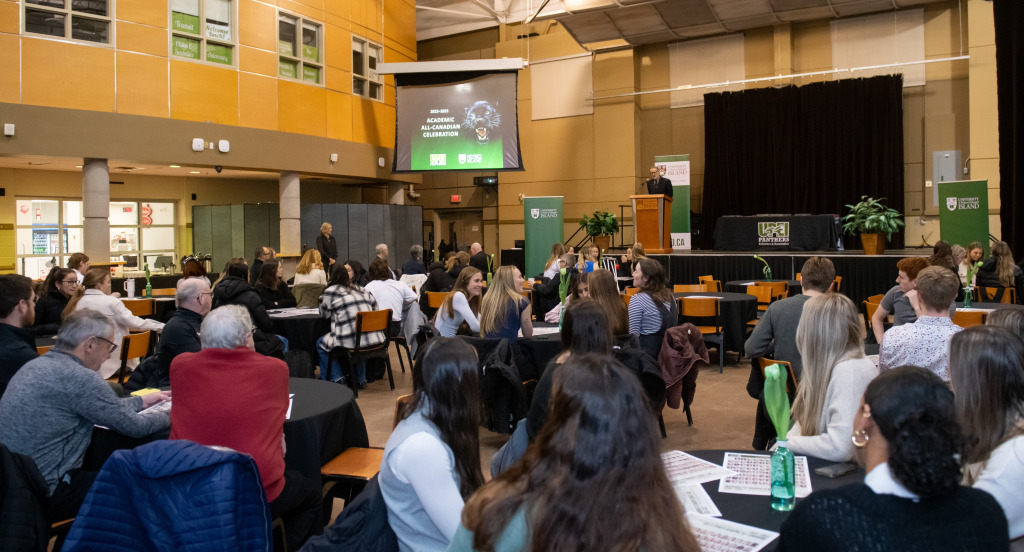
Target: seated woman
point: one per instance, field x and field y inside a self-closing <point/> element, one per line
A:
<point x="356" y="272"/>
<point x="504" y="311"/>
<point x="310" y="270"/>
<point x="437" y="280"/>
<point x="593" y="479"/>
<point x="629" y="260"/>
<point x="271" y="288"/>
<point x="835" y="373"/>
<point x="1000" y="271"/>
<point x="232" y="289"/>
<point x="341" y="302"/>
<point x="192" y="268"/>
<point x="551" y="267"/>
<point x="652" y="310"/>
<point x="910" y="444"/>
<point x="431" y="461"/>
<point x="604" y="291"/>
<point x="975" y="253"/>
<point x="59" y="286"/>
<point x="578" y="289"/>
<point x="986" y="365"/>
<point x="463" y="305"/>
<point x="588" y="254"/>
<point x="546" y="292"/>
<point x="389" y="293"/>
<point x="94" y="293"/>
<point x="1011" y="319"/>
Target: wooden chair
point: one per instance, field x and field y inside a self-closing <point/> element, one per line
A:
<point x="164" y="292"/>
<point x="966" y="319"/>
<point x="764" y="295"/>
<point x="1005" y="295"/>
<point x="868" y="310"/>
<point x="791" y="382"/>
<point x="875" y="298"/>
<point x="630" y="291"/>
<point x="625" y="299"/>
<point x="690" y="288"/>
<point x="133" y="345"/>
<point x="779" y="289"/>
<point x="710" y="281"/>
<point x="706" y="307"/>
<point x="366" y="323"/>
<point x="839" y="283"/>
<point x="140" y="307"/>
<point x="42" y="349"/>
<point x="436" y="298"/>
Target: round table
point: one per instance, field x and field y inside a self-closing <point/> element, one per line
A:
<point x="756" y="510"/>
<point x="740" y="286"/>
<point x="301" y="330"/>
<point x="538" y="350"/>
<point x="737" y="309"/>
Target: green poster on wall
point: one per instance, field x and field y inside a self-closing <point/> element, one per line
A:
<point x="963" y="212"/>
<point x="542" y="217"/>
<point x="185" y="47"/>
<point x="183" y="22"/>
<point x="218" y="54"/>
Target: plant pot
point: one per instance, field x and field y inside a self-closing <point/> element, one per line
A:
<point x="603" y="243"/>
<point x="874" y="244"/>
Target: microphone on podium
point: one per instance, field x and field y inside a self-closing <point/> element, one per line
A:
<point x="643" y="180"/>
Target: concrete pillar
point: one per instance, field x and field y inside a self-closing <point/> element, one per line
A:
<point x="396" y="193"/>
<point x="96" y="209"/>
<point x="291" y="231"/>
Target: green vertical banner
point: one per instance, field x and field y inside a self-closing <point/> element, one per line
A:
<point x="963" y="212"/>
<point x="677" y="169"/>
<point x="542" y="217"/>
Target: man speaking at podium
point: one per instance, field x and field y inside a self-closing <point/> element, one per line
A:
<point x="657" y="184"/>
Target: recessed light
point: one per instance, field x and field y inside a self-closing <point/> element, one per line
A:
<point x="175" y="166"/>
<point x="78" y="166"/>
<point x="193" y="172"/>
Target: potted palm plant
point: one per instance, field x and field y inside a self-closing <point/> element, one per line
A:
<point x="600" y="227"/>
<point x="871" y="218"/>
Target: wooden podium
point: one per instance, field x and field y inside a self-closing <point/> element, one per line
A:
<point x="652" y="221"/>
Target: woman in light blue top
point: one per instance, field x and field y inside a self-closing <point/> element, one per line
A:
<point x="432" y="459"/>
<point x="463" y="305"/>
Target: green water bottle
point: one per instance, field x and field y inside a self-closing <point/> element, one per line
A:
<point x="783" y="475"/>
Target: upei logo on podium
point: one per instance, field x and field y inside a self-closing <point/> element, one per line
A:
<point x="963" y="203"/>
<point x="951" y="203"/>
<point x="773" y="233"/>
<point x="534" y="213"/>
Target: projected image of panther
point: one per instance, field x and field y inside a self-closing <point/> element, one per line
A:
<point x="482" y="118"/>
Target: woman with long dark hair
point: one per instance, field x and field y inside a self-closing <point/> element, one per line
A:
<point x="986" y="365"/>
<point x="504" y="311"/>
<point x="605" y="292"/>
<point x="271" y="287"/>
<point x="356" y="272"/>
<point x="462" y="305"/>
<point x="234" y="289"/>
<point x="59" y="286"/>
<point x="652" y="310"/>
<point x="431" y="461"/>
<point x="593" y="479"/>
<point x="910" y="443"/>
<point x="341" y="302"/>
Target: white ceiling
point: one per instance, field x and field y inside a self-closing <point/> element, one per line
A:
<point x="639" y="22"/>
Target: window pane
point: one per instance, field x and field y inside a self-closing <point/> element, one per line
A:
<point x="73" y="213"/>
<point x="49" y="3"/>
<point x="185" y="18"/>
<point x="185" y="47"/>
<point x="95" y="7"/>
<point x="123" y="240"/>
<point x="37" y="241"/>
<point x="37" y="211"/>
<point x="358" y="65"/>
<point x="218" y="19"/>
<point x="44" y="22"/>
<point x="372" y="54"/>
<point x="159" y="262"/>
<point x="73" y="240"/>
<point x="311" y="74"/>
<point x="36" y="267"/>
<point x="159" y="238"/>
<point x="288" y="68"/>
<point x="311" y="41"/>
<point x="286" y="35"/>
<point x="89" y="29"/>
<point x="375" y="91"/>
<point x="218" y="53"/>
<point x="122" y="213"/>
<point x="160" y="213"/>
<point x="358" y="86"/>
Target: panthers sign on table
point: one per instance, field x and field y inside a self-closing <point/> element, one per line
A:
<point x="772" y="233"/>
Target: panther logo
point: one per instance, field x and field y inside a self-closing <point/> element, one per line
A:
<point x="481" y="118"/>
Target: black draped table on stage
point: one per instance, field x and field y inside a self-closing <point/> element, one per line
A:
<point x="757" y="510"/>
<point x="737" y="310"/>
<point x="740" y="286"/>
<point x="325" y="420"/>
<point x="301" y="330"/>
<point x="777" y="233"/>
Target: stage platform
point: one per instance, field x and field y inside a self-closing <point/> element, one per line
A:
<point x="863" y="275"/>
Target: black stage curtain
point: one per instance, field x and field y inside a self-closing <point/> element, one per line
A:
<point x="808" y="149"/>
<point x="1009" y="19"/>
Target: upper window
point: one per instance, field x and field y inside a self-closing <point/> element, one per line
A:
<point x="87" y="20"/>
<point x="298" y="46"/>
<point x="203" y="30"/>
<point x="365" y="79"/>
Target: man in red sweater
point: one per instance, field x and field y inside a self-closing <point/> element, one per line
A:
<point x="231" y="396"/>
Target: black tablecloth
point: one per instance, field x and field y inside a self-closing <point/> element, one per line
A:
<point x="537" y="352"/>
<point x="739" y="286"/>
<point x="737" y="310"/>
<point x="757" y="510"/>
<point x="777" y="233"/>
<point x="302" y="332"/>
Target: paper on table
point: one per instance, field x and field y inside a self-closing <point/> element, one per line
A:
<point x="542" y="331"/>
<point x="754" y="475"/>
<point x="703" y="297"/>
<point x="687" y="469"/>
<point x="746" y="283"/>
<point x="719" y="535"/>
<point x="288" y="313"/>
<point x="291" y="399"/>
<point x="696" y="500"/>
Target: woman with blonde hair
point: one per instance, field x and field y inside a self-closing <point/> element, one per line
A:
<point x="630" y="259"/>
<point x="551" y="267"/>
<point x="604" y="291"/>
<point x="462" y="305"/>
<point x="999" y="271"/>
<point x="589" y="254"/>
<point x="310" y="269"/>
<point x="94" y="293"/>
<point x="504" y="310"/>
<point x="830" y="339"/>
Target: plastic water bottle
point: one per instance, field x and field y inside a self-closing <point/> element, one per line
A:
<point x="783" y="475"/>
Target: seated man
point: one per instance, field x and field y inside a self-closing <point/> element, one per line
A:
<point x="389" y="293"/>
<point x="181" y="333"/>
<point x="229" y="395"/>
<point x="895" y="300"/>
<point x="52" y="403"/>
<point x="924" y="343"/>
<point x="17" y="312"/>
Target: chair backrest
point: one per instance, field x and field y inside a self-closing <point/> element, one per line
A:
<point x="689" y="288"/>
<point x="135" y="345"/>
<point x="698" y="306"/>
<point x="839" y="283"/>
<point x="705" y="279"/>
<point x="436" y="298"/>
<point x="791" y="382"/>
<point x="42" y="349"/>
<point x="630" y="291"/>
<point x="307" y="296"/>
<point x="1006" y="295"/>
<point x="609" y="264"/>
<point x="714" y="285"/>
<point x="625" y="298"/>
<point x="779" y="289"/>
<point x="869" y="311"/>
<point x="400" y="403"/>
<point x="140" y="307"/>
<point x="966" y="319"/>
<point x="764" y="294"/>
<point x="164" y="292"/>
<point x="369" y="322"/>
<point x="875" y="298"/>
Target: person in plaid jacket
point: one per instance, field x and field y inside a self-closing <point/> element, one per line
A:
<point x="340" y="302"/>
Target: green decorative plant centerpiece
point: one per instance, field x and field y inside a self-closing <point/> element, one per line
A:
<point x="969" y="287"/>
<point x="767" y="270"/>
<point x="871" y="218"/>
<point x="490" y="271"/>
<point x="149" y="287"/>
<point x="600" y="227"/>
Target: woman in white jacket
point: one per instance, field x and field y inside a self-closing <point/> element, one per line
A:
<point x="94" y="293"/>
